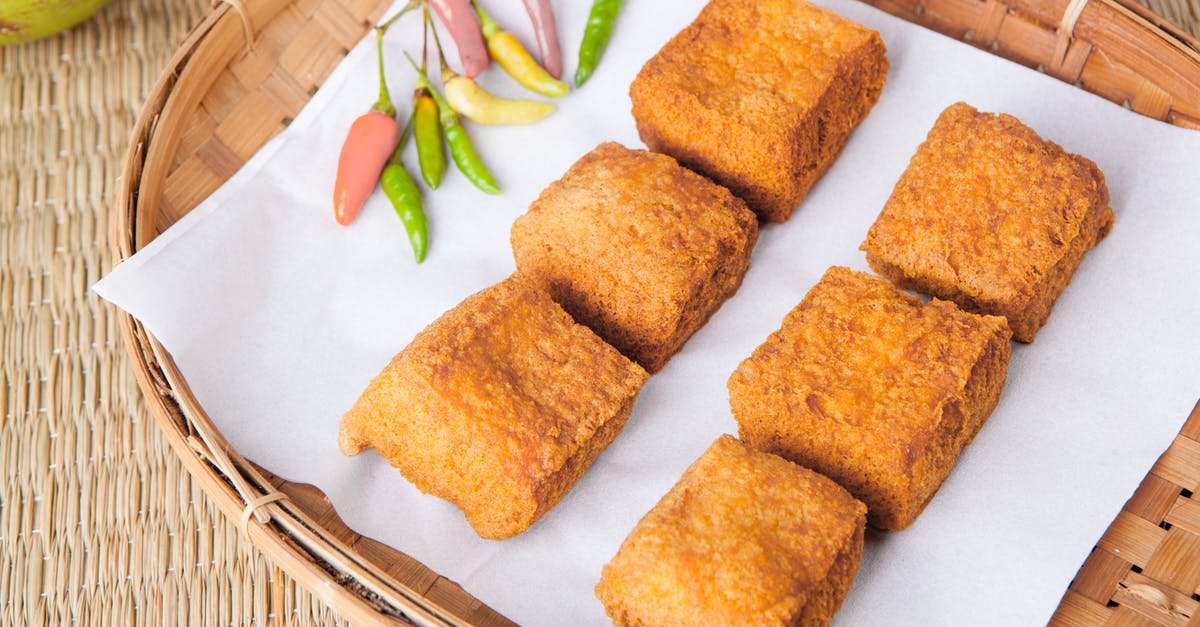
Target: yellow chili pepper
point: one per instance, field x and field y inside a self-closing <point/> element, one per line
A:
<point x="508" y="51"/>
<point x="479" y="105"/>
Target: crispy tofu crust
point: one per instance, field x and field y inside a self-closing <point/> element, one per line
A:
<point x="498" y="406"/>
<point x="873" y="388"/>
<point x="744" y="538"/>
<point x="637" y="247"/>
<point x="990" y="216"/>
<point x="760" y="96"/>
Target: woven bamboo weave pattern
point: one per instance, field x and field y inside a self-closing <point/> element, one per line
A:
<point x="1116" y="49"/>
<point x="1183" y="13"/>
<point x="99" y="521"/>
<point x="1145" y="570"/>
<point x="258" y="94"/>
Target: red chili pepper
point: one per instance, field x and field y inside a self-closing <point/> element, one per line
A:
<point x="546" y="32"/>
<point x="468" y="35"/>
<point x="369" y="144"/>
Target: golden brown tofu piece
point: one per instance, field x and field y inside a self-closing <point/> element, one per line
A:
<point x="873" y="388"/>
<point x="744" y="538"/>
<point x="498" y="406"/>
<point x="760" y="96"/>
<point x="990" y="216"/>
<point x="637" y="247"/>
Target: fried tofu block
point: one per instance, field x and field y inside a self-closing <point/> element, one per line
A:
<point x="498" y="406"/>
<point x="990" y="216"/>
<point x="744" y="538"/>
<point x="873" y="388"/>
<point x="637" y="247"/>
<point x="760" y="96"/>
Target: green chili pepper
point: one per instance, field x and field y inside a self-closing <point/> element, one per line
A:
<point x="426" y="129"/>
<point x="595" y="37"/>
<point x="461" y="149"/>
<point x="468" y="160"/>
<point x="402" y="191"/>
<point x="428" y="133"/>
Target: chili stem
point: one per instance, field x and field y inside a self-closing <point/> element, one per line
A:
<point x="445" y="111"/>
<point x="404" y="135"/>
<point x="424" y="36"/>
<point x="437" y="42"/>
<point x="490" y="27"/>
<point x="408" y="7"/>
<point x="384" y="104"/>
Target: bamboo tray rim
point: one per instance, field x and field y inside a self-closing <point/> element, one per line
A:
<point x="284" y="531"/>
<point x="273" y="515"/>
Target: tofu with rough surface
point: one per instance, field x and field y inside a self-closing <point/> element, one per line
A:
<point x="991" y="216"/>
<point x="636" y="247"/>
<point x="760" y="96"/>
<point x="498" y="406"/>
<point x="873" y="388"/>
<point x="744" y="538"/>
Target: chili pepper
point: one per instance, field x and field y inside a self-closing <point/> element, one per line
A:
<point x="426" y="128"/>
<point x="468" y="98"/>
<point x="464" y="28"/>
<point x="595" y="37"/>
<point x="507" y="50"/>
<point x="428" y="132"/>
<point x="546" y="32"/>
<point x="368" y="144"/>
<point x="466" y="158"/>
<point x="461" y="149"/>
<point x="400" y="188"/>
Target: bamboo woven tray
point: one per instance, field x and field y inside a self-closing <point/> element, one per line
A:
<point x="244" y="73"/>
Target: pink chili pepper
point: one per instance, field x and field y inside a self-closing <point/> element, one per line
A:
<point x="546" y="32"/>
<point x="464" y="27"/>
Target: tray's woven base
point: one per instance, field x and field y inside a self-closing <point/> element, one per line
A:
<point x="99" y="522"/>
<point x="1185" y="13"/>
<point x="1145" y="570"/>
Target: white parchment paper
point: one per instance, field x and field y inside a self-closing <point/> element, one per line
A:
<point x="278" y="318"/>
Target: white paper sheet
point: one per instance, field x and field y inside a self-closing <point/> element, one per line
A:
<point x="278" y="318"/>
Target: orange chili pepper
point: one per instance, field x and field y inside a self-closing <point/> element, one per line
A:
<point x="369" y="144"/>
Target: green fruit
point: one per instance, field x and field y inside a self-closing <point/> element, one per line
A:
<point x="26" y="20"/>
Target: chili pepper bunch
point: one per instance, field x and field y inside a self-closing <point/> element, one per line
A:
<point x="371" y="152"/>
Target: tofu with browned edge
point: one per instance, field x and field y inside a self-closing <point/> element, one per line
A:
<point x="498" y="406"/>
<point x="873" y="388"/>
<point x="641" y="250"/>
<point x="744" y="538"/>
<point x="760" y="96"/>
<point x="991" y="216"/>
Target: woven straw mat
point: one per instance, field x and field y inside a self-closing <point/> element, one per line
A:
<point x="99" y="522"/>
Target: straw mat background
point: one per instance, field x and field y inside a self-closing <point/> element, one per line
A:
<point x="99" y="522"/>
